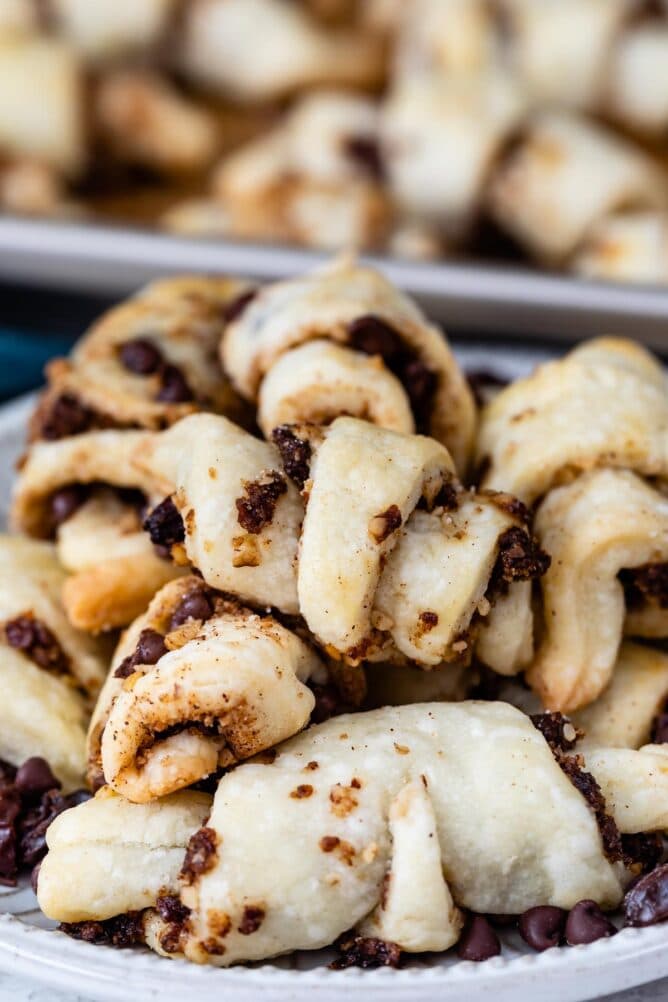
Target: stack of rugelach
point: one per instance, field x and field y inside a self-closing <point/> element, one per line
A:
<point x="355" y="610"/>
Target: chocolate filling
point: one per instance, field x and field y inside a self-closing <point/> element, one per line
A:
<point x="36" y="641"/>
<point x="141" y="356"/>
<point x="119" y="931"/>
<point x="256" y="509"/>
<point x="252" y="919"/>
<point x="150" y="648"/>
<point x="66" y="416"/>
<point x="174" y="388"/>
<point x="384" y="524"/>
<point x="365" y="952"/>
<point x="484" y="384"/>
<point x="365" y="153"/>
<point x="234" y="309"/>
<point x="200" y="855"/>
<point x="374" y="336"/>
<point x="649" y="582"/>
<point x="295" y="454"/>
<point x="520" y="558"/>
<point x="553" y="727"/>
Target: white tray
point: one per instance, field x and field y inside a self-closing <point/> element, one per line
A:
<point x="30" y="948"/>
<point x="466" y="296"/>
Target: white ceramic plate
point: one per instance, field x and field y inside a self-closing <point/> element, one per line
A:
<point x="29" y="946"/>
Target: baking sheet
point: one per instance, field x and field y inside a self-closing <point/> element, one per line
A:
<point x="468" y="297"/>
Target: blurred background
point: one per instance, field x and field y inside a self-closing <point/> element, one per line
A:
<point x="484" y="146"/>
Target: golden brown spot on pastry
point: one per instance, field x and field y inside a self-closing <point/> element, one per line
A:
<point x="401" y="749"/>
<point x="190" y="521"/>
<point x="311" y="766"/>
<point x="252" y="919"/>
<point x="212" y="472"/>
<point x="343" y="800"/>
<point x="213" y="947"/>
<point x="267" y="757"/>
<point x="246" y="552"/>
<point x="428" y="620"/>
<point x="384" y="524"/>
<point x="509" y="504"/>
<point x="219" y="922"/>
<point x="521" y="415"/>
<point x="302" y="791"/>
<point x="370" y="852"/>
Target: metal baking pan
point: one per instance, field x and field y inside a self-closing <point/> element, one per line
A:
<point x="468" y="297"/>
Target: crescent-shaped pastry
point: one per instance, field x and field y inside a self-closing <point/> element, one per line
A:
<point x="440" y="139"/>
<point x="112" y="28"/>
<point x="108" y="857"/>
<point x="145" y="363"/>
<point x="357" y="308"/>
<point x="291" y="52"/>
<point x="86" y="491"/>
<point x="456" y="38"/>
<point x="314" y="179"/>
<point x="47" y="124"/>
<point x="630" y="247"/>
<point x="562" y="51"/>
<point x="197" y="684"/>
<point x="239" y="515"/>
<point x="624" y="714"/>
<point x="49" y="671"/>
<point x="603" y="404"/>
<point x="393" y="820"/>
<point x="602" y="523"/>
<point x="638" y="78"/>
<point x="565" y="176"/>
<point x="142" y="119"/>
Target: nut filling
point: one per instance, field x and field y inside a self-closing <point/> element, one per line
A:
<point x="36" y="641"/>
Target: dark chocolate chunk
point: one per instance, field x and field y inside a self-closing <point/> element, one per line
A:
<point x="366" y="153"/>
<point x="141" y="356"/>
<point x="34" y="778"/>
<point x="65" y="502"/>
<point x="643" y="851"/>
<point x="543" y="926"/>
<point x="150" y="648"/>
<point x="478" y="940"/>
<point x="586" y="923"/>
<point x="365" y="952"/>
<point x="195" y="605"/>
<point x="164" y="524"/>
<point x="647" y="901"/>
<point x="256" y="508"/>
<point x="295" y="454"/>
<point x="174" y="388"/>
<point x="234" y="309"/>
<point x="171" y="908"/>
<point x="66" y="416"/>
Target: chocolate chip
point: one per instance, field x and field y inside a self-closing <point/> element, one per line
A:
<point x="543" y="926"/>
<point x="295" y="454"/>
<point x="660" y="729"/>
<point x="586" y="923"/>
<point x="365" y="152"/>
<point x="150" y="648"/>
<point x="478" y="941"/>
<point x="647" y="902"/>
<point x="66" y="416"/>
<point x="164" y="524"/>
<point x="174" y="389"/>
<point x="65" y="502"/>
<point x="195" y="605"/>
<point x="252" y="919"/>
<point x="141" y="357"/>
<point x="34" y="778"/>
<point x="234" y="309"/>
<point x="10" y="808"/>
<point x="200" y="854"/>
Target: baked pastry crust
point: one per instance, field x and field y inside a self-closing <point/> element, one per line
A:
<point x="386" y="783"/>
<point x="224" y="689"/>
<point x="325" y="305"/>
<point x="108" y="856"/>
<point x="604" y="404"/>
<point x="48" y="691"/>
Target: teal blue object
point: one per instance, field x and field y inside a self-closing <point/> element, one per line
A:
<point x="23" y="357"/>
